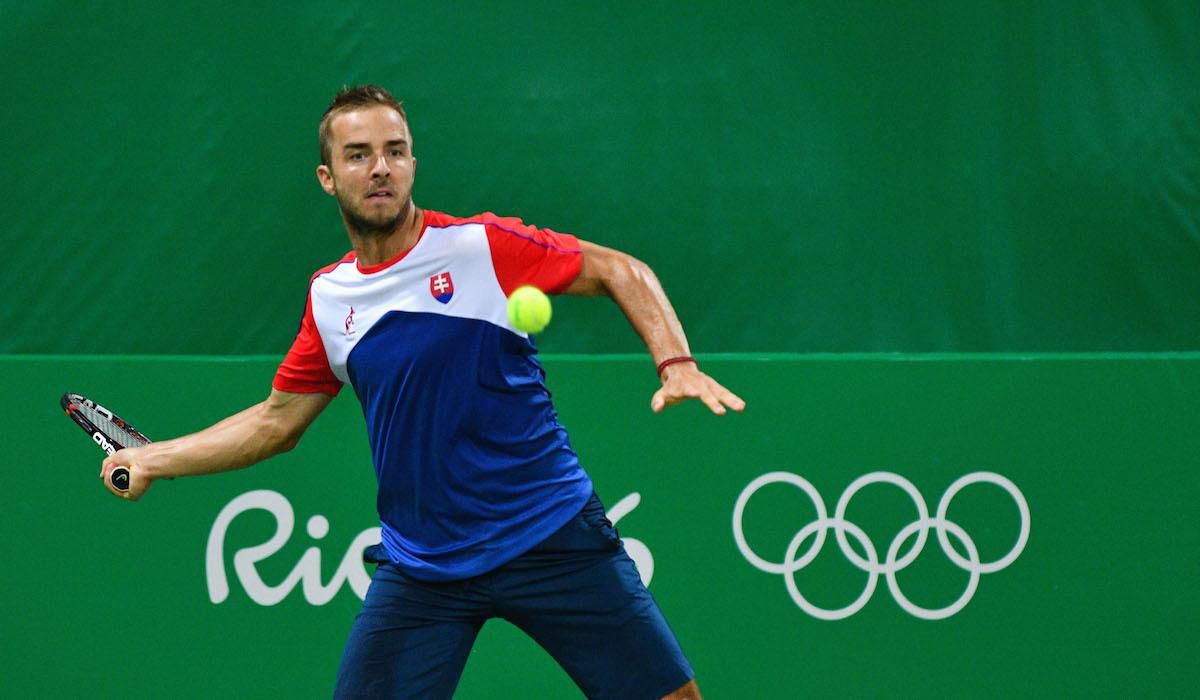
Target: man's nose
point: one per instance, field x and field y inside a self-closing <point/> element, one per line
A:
<point x="380" y="167"/>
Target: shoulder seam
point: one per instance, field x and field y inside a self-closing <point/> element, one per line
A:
<point x="543" y="244"/>
<point x="349" y="257"/>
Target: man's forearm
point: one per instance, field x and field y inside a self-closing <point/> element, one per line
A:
<point x="635" y="288"/>
<point x="240" y="440"/>
<point x="639" y="294"/>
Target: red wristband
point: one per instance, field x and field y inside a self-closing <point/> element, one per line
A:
<point x="675" y="360"/>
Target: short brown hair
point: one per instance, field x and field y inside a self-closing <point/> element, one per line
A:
<point x="351" y="98"/>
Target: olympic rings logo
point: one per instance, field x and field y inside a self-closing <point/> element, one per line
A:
<point x="893" y="562"/>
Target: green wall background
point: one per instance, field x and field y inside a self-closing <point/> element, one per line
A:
<point x="804" y="176"/>
<point x="108" y="599"/>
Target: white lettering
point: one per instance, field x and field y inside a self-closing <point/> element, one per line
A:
<point x="103" y="442"/>
<point x="637" y="551"/>
<point x="307" y="571"/>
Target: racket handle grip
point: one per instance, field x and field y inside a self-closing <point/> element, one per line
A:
<point x="119" y="478"/>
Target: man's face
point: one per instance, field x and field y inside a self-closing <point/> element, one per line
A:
<point x="370" y="169"/>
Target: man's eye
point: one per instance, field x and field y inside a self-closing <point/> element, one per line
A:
<point x="397" y="153"/>
<point x="357" y="156"/>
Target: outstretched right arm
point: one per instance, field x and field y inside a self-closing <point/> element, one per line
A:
<point x="251" y="436"/>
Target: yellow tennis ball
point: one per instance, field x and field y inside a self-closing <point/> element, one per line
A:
<point x="529" y="309"/>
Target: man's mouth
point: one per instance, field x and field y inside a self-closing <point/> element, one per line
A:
<point x="379" y="194"/>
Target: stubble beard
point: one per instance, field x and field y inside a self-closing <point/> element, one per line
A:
<point x="366" y="226"/>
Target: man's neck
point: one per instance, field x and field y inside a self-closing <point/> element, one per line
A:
<point x="376" y="248"/>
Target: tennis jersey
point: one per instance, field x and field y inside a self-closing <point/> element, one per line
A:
<point x="473" y="466"/>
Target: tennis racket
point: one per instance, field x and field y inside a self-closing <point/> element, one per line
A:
<point x="106" y="429"/>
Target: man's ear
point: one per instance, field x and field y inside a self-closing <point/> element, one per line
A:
<point x="325" y="177"/>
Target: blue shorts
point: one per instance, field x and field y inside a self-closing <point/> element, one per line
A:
<point x="577" y="594"/>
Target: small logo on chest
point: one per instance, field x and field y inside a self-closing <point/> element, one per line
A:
<point x="441" y="287"/>
<point x="350" y="330"/>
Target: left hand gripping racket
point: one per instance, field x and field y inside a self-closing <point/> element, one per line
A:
<point x="106" y="429"/>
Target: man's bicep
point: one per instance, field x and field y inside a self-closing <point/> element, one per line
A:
<point x="296" y="411"/>
<point x="595" y="272"/>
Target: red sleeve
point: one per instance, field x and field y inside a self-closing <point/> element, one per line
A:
<point x="305" y="369"/>
<point x="524" y="254"/>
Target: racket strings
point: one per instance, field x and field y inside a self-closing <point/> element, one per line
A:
<point x="121" y="433"/>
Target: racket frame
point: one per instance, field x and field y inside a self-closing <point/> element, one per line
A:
<point x="72" y="403"/>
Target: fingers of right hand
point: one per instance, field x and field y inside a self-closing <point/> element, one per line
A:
<point x="713" y="404"/>
<point x="732" y="400"/>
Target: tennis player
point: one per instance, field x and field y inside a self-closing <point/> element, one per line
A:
<point x="484" y="508"/>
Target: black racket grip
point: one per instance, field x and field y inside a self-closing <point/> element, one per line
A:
<point x="119" y="478"/>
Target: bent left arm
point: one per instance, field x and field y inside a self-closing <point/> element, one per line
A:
<point x="636" y="290"/>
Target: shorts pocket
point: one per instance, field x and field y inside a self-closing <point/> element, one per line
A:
<point x="589" y="531"/>
<point x="593" y="519"/>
